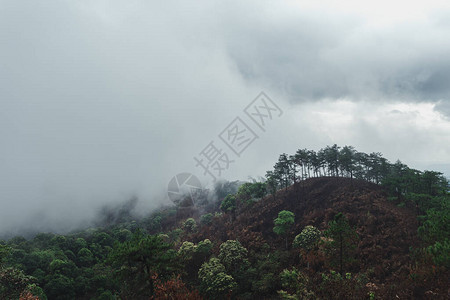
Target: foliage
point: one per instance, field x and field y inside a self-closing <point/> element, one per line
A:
<point x="187" y="250"/>
<point x="440" y="251"/>
<point x="120" y="261"/>
<point x="229" y="203"/>
<point x="309" y="236"/>
<point x="435" y="231"/>
<point x="175" y="235"/>
<point x="206" y="219"/>
<point x="192" y="256"/>
<point x="4" y="252"/>
<point x="222" y="188"/>
<point x="85" y="257"/>
<point x="283" y="223"/>
<point x="232" y="255"/>
<point x="296" y="285"/>
<point x="28" y="295"/>
<point x="137" y="260"/>
<point x="250" y="192"/>
<point x="204" y="247"/>
<point x="336" y="286"/>
<point x="399" y="179"/>
<point x="306" y="241"/>
<point x="13" y="283"/>
<point x="436" y="222"/>
<point x="215" y="282"/>
<point x="190" y="225"/>
<point x="60" y="287"/>
<point x="263" y="274"/>
<point x="282" y="170"/>
<point x="172" y="289"/>
<point x="342" y="242"/>
<point x="272" y="183"/>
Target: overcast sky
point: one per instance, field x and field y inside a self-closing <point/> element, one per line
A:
<point x="102" y="100"/>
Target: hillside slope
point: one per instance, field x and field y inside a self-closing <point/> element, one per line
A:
<point x="386" y="231"/>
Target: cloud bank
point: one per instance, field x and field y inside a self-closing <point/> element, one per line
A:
<point x="103" y="100"/>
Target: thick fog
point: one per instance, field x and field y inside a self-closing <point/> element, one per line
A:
<point x="101" y="101"/>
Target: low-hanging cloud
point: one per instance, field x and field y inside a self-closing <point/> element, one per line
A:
<point x="103" y="100"/>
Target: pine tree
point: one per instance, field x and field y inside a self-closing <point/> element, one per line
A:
<point x="342" y="242"/>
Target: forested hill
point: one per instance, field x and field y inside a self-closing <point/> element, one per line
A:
<point x="331" y="224"/>
<point x="386" y="231"/>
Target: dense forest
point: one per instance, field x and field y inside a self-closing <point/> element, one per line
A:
<point x="329" y="224"/>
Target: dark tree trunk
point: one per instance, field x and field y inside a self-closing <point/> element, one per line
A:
<point x="340" y="253"/>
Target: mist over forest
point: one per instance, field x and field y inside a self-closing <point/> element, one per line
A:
<point x="102" y="101"/>
<point x="110" y="109"/>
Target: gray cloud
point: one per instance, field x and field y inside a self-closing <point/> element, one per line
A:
<point x="444" y="107"/>
<point x="103" y="100"/>
<point x="312" y="56"/>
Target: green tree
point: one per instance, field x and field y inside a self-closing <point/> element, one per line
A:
<point x="13" y="283"/>
<point x="64" y="267"/>
<point x="42" y="240"/>
<point x="79" y="243"/>
<point x="283" y="223"/>
<point x="272" y="183"/>
<point x="232" y="255"/>
<point x="436" y="223"/>
<point x="301" y="160"/>
<point x="228" y="205"/>
<point x="222" y="188"/>
<point x="440" y="252"/>
<point x="103" y="239"/>
<point x="59" y="242"/>
<point x="192" y="256"/>
<point x="187" y="250"/>
<point x="435" y="231"/>
<point x="4" y="252"/>
<point x="311" y="157"/>
<point x="140" y="258"/>
<point x="206" y="219"/>
<point x="215" y="282"/>
<point x="294" y="168"/>
<point x="190" y="225"/>
<point x="204" y="247"/>
<point x="155" y="222"/>
<point x="342" y="241"/>
<point x="283" y="170"/>
<point x="396" y="180"/>
<point x="347" y="160"/>
<point x="122" y="235"/>
<point x="295" y="284"/>
<point x="85" y="257"/>
<point x="434" y="183"/>
<point x="60" y="287"/>
<point x="307" y="239"/>
<point x="251" y="191"/>
<point x="331" y="157"/>
<point x="39" y="260"/>
<point x="316" y="162"/>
